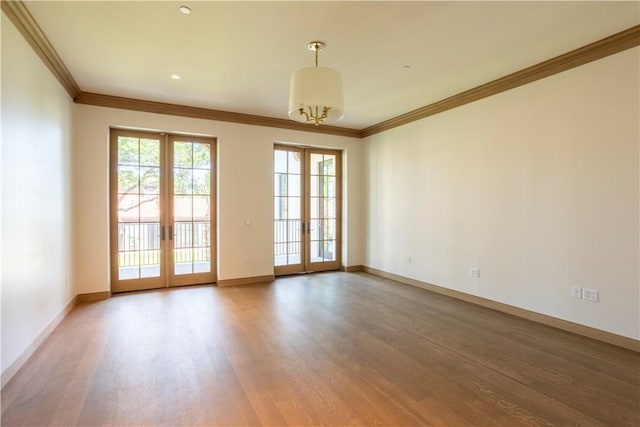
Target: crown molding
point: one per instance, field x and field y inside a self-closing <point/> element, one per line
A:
<point x="608" y="46"/>
<point x="205" y="113"/>
<point x="19" y="15"/>
<point x="28" y="27"/>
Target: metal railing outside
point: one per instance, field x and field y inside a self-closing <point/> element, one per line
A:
<point x="287" y="236"/>
<point x="139" y="243"/>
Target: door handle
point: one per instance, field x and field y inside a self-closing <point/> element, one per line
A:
<point x="162" y="233"/>
<point x="171" y="232"/>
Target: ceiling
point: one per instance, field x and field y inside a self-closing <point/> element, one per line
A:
<point x="238" y="56"/>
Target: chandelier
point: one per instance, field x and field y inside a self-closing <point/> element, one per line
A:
<point x="316" y="92"/>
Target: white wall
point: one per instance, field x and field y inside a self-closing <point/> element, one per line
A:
<point x="36" y="214"/>
<point x="537" y="187"/>
<point x="245" y="189"/>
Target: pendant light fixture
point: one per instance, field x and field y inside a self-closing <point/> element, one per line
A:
<point x="316" y="92"/>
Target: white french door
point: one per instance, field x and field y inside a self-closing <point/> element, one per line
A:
<point x="307" y="222"/>
<point x="162" y="210"/>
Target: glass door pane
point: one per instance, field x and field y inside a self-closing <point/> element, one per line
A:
<point x="138" y="208"/>
<point x="322" y="211"/>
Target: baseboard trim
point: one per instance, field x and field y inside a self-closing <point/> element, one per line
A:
<point x="565" y="325"/>
<point x="247" y="280"/>
<point x="94" y="296"/>
<point x="15" y="366"/>
<point x="353" y="268"/>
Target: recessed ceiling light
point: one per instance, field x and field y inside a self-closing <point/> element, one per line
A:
<point x="185" y="9"/>
<point x="175" y="77"/>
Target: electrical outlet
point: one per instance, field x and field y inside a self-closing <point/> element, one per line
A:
<point x="576" y="292"/>
<point x="590" y="294"/>
<point x="407" y="259"/>
<point x="475" y="273"/>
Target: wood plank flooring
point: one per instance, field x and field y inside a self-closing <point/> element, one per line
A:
<point x="323" y="349"/>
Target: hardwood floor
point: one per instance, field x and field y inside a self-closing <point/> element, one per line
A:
<point x="323" y="349"/>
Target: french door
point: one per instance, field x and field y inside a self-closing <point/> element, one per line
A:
<point x="162" y="208"/>
<point x="307" y="195"/>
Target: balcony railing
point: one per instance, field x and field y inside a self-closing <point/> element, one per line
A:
<point x="287" y="236"/>
<point x="139" y="243"/>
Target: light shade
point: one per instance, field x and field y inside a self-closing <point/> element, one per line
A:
<point x="313" y="87"/>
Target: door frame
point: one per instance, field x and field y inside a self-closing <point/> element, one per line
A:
<point x="166" y="278"/>
<point x="193" y="278"/>
<point x="306" y="266"/>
